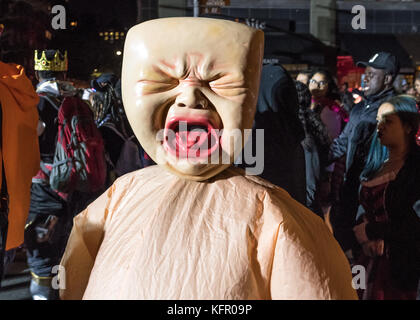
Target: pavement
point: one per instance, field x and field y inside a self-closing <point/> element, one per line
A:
<point x="15" y="284"/>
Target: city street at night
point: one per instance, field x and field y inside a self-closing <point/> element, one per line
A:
<point x="204" y="155"/>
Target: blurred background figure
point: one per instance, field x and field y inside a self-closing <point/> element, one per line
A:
<point x="87" y="95"/>
<point x="411" y="91"/>
<point x="401" y="85"/>
<point x="326" y="103"/>
<point x="277" y="114"/>
<point x="124" y="152"/>
<point x="344" y="87"/>
<point x="315" y="145"/>
<point x="304" y="76"/>
<point x="417" y="84"/>
<point x="417" y="89"/>
<point x="347" y="98"/>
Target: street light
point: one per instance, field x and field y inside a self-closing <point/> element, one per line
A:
<point x="118" y="53"/>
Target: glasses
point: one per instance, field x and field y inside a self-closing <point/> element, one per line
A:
<point x="319" y="84"/>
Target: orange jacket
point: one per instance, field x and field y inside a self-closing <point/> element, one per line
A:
<point x="20" y="145"/>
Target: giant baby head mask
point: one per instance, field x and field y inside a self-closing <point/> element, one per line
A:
<point x="190" y="87"/>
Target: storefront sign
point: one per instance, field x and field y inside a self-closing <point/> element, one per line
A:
<point x="212" y="6"/>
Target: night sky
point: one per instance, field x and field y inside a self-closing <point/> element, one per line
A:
<point x="105" y="12"/>
<point x="87" y="51"/>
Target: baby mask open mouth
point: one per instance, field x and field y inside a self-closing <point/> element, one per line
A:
<point x="191" y="137"/>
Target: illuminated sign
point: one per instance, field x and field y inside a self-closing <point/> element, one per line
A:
<point x="212" y="6"/>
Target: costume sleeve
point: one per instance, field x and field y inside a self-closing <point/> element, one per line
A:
<point x="308" y="263"/>
<point x="82" y="247"/>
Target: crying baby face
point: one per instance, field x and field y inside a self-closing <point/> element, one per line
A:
<point x="190" y="86"/>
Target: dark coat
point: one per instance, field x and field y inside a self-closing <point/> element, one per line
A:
<point x="315" y="145"/>
<point x="277" y="115"/>
<point x="353" y="142"/>
<point x="402" y="230"/>
<point x="360" y="127"/>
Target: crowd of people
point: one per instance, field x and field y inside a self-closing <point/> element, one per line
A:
<point x="355" y="164"/>
<point x="372" y="202"/>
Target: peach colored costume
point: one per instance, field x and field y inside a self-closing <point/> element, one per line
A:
<point x="198" y="230"/>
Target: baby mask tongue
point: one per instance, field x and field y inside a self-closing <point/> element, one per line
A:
<point x="191" y="136"/>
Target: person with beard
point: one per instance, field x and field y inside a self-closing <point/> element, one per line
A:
<point x="353" y="142"/>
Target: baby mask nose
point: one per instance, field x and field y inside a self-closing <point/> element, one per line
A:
<point x="191" y="97"/>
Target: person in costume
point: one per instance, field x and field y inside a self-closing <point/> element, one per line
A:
<point x="19" y="154"/>
<point x="50" y="214"/>
<point x="190" y="228"/>
<point x="114" y="127"/>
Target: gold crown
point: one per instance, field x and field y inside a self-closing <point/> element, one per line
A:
<point x="56" y="64"/>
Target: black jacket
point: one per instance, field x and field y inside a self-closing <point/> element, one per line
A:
<point x="402" y="230"/>
<point x="277" y="115"/>
<point x="353" y="142"/>
<point x="358" y="130"/>
<point x="49" y="115"/>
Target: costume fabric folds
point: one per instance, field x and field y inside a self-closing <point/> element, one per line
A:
<point x="20" y="145"/>
<point x="153" y="235"/>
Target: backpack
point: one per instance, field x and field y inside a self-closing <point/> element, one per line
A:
<point x="129" y="159"/>
<point x="79" y="157"/>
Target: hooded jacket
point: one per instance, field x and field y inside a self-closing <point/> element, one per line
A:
<point x="277" y="114"/>
<point x="20" y="150"/>
<point x="401" y="231"/>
